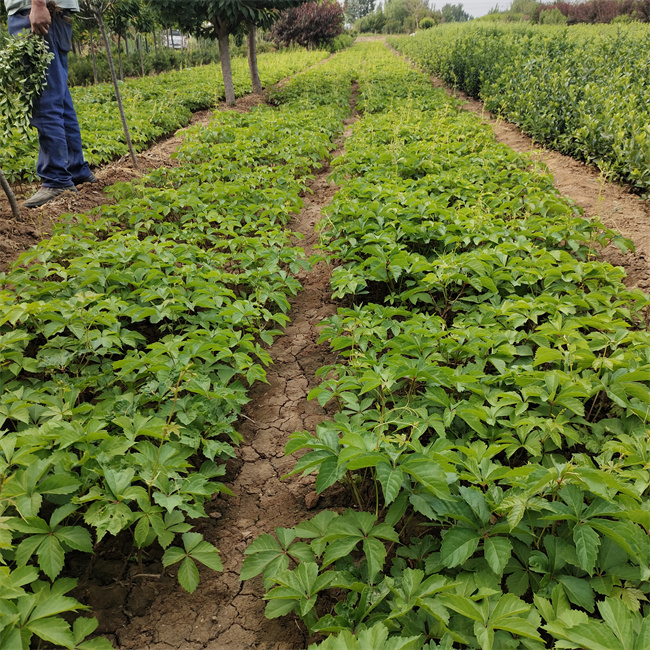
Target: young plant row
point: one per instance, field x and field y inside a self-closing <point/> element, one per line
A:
<point x="493" y="392"/>
<point x="154" y="106"/>
<point x="129" y="341"/>
<point x="581" y="90"/>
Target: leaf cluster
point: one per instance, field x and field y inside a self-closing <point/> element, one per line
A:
<point x="23" y="65"/>
<point x="128" y="343"/>
<point x="492" y="390"/>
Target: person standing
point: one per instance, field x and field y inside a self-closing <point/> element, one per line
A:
<point x="61" y="164"/>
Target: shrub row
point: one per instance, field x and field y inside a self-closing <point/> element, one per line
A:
<point x="582" y="90"/>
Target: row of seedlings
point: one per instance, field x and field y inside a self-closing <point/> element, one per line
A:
<point x="129" y="341"/>
<point x="154" y="106"/>
<point x="493" y="392"/>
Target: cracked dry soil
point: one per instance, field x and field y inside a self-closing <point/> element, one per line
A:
<point x="149" y="612"/>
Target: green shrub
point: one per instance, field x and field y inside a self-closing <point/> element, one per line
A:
<point x="552" y="17"/>
<point x="340" y="43"/>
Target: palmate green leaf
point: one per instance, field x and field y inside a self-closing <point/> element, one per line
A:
<point x="390" y="479"/>
<point x="188" y="575"/>
<point x="76" y="537"/>
<point x="270" y="562"/>
<point x="578" y="591"/>
<point x="464" y="606"/>
<point x="375" y="553"/>
<point x="262" y="552"/>
<point x="276" y="608"/>
<point x="643" y="638"/>
<point x="484" y="635"/>
<point x="587" y="542"/>
<point x="458" y="545"/>
<point x="329" y="473"/>
<point x="82" y="627"/>
<point x="207" y="554"/>
<point x="427" y="473"/>
<point x="508" y="616"/>
<point x="620" y="621"/>
<point x="53" y="630"/>
<point x="98" y="643"/>
<point x="497" y="553"/>
<point x="340" y="548"/>
<point x="373" y="638"/>
<point x="547" y="355"/>
<point x="591" y="636"/>
<point x="50" y="556"/>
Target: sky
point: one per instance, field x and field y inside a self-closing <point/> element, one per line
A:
<point x="478" y="8"/>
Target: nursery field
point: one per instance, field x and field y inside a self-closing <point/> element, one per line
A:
<point x="471" y="467"/>
<point x="154" y="106"/>
<point x="583" y="90"/>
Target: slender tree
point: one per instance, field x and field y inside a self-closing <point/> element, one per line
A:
<point x="355" y="9"/>
<point x="143" y="22"/>
<point x="221" y="18"/>
<point x="119" y="19"/>
<point x="4" y="184"/>
<point x="98" y="9"/>
<point x="266" y="13"/>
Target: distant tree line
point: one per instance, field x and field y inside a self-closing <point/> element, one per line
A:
<point x="402" y="16"/>
<point x="596" y="11"/>
<point x="140" y="33"/>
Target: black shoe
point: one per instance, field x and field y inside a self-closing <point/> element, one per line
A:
<point x="46" y="194"/>
<point x="90" y="179"/>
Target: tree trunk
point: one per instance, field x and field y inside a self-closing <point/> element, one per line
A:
<point x="252" y="59"/>
<point x="139" y="41"/>
<point x="92" y="52"/>
<point x="4" y="183"/>
<point x="224" y="55"/>
<point x="155" y="41"/>
<point x="146" y="44"/>
<point x="119" y="56"/>
<point x="126" y="45"/>
<point x="118" y="96"/>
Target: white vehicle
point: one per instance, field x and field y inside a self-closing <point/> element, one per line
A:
<point x="174" y="39"/>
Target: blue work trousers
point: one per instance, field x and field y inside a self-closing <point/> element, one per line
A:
<point x="60" y="159"/>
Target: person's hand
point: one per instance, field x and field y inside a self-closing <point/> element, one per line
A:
<point x="40" y="18"/>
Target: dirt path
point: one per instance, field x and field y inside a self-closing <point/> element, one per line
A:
<point x="148" y="613"/>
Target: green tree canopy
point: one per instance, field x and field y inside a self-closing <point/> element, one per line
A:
<point x="454" y="14"/>
<point x="356" y="9"/>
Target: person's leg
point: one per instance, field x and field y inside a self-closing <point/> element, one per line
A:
<point x="48" y="112"/>
<point x="77" y="166"/>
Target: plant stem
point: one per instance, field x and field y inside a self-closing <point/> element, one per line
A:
<point x="111" y="65"/>
<point x="4" y="183"/>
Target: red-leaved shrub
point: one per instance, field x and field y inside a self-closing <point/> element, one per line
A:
<point x="312" y="24"/>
